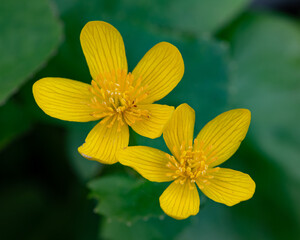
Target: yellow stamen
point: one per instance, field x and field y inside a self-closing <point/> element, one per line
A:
<point x="115" y="98"/>
<point x="191" y="163"/>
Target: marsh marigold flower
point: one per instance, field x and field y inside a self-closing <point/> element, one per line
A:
<point x="194" y="162"/>
<point x="117" y="97"/>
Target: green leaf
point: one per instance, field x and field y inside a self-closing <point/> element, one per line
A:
<point x="190" y="16"/>
<point x="30" y="33"/>
<point x="266" y="52"/>
<point x="146" y="229"/>
<point x="126" y="199"/>
<point x="193" y="16"/>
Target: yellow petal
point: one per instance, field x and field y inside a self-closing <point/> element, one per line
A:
<point x="153" y="124"/>
<point x="161" y="69"/>
<point x="103" y="142"/>
<point x="103" y="48"/>
<point x="149" y="162"/>
<point x="180" y="201"/>
<point x="180" y="128"/>
<point x="222" y="136"/>
<point x="64" y="99"/>
<point x="228" y="186"/>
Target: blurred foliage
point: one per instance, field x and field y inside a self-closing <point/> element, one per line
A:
<point x="266" y="80"/>
<point x="25" y="43"/>
<point x="148" y="229"/>
<point x="190" y="16"/>
<point x="85" y="170"/>
<point x="10" y="127"/>
<point x="234" y="57"/>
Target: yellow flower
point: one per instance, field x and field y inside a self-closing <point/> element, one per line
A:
<point x="117" y="97"/>
<point x="194" y="163"/>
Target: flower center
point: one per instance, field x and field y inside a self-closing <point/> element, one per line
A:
<point x="191" y="163"/>
<point x="115" y="98"/>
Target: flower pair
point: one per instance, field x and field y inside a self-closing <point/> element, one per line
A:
<point x="121" y="99"/>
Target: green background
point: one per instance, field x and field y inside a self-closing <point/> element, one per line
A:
<point x="237" y="53"/>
